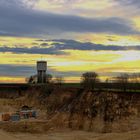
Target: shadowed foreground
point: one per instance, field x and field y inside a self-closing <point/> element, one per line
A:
<point x="72" y="135"/>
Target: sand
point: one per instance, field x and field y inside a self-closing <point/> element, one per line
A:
<point x="71" y="135"/>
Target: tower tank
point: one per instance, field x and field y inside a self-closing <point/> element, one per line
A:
<point x="41" y="71"/>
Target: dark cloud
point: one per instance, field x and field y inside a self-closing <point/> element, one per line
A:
<point x="19" y="3"/>
<point x="16" y="70"/>
<point x="65" y="74"/>
<point x="130" y="2"/>
<point x="44" y="44"/>
<point x="58" y="47"/>
<point x="32" y="50"/>
<point x="25" y="71"/>
<point x="62" y="44"/>
<point x="75" y="45"/>
<point x="18" y="21"/>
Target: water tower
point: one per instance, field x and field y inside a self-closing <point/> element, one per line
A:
<point x="41" y="71"/>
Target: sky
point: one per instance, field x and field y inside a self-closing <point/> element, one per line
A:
<point x="73" y="36"/>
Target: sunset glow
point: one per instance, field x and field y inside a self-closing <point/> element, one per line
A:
<point x="73" y="36"/>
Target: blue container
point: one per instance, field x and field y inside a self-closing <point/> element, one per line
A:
<point x="15" y="117"/>
<point x="34" y="114"/>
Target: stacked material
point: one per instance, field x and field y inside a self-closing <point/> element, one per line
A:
<point x="15" y="117"/>
<point x="0" y="116"/>
<point x="26" y="114"/>
<point x="34" y="114"/>
<point x="6" y="117"/>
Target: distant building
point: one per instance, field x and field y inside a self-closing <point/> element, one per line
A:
<point x="41" y="71"/>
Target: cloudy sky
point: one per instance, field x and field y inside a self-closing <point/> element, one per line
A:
<point x="74" y="36"/>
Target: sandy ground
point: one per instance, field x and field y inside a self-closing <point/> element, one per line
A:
<point x="72" y="135"/>
<point x="6" y="106"/>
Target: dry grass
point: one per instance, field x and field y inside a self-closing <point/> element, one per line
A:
<point x="25" y="127"/>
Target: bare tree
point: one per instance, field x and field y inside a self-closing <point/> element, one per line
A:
<point x="135" y="78"/>
<point x="33" y="79"/>
<point x="123" y="81"/>
<point x="59" y="80"/>
<point x="89" y="80"/>
<point x="135" y="81"/>
<point x="49" y="78"/>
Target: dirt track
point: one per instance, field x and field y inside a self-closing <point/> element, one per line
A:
<point x="73" y="135"/>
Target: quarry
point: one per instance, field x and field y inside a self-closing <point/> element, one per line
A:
<point x="62" y="111"/>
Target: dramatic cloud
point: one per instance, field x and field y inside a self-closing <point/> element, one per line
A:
<point x="57" y="47"/>
<point x="130" y="2"/>
<point x="25" y="71"/>
<point x="75" y="45"/>
<point x="18" y="3"/>
<point x="17" y="21"/>
<point x="15" y="70"/>
<point x="32" y="50"/>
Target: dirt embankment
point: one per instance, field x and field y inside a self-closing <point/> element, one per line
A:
<point x="87" y="110"/>
<point x="76" y="109"/>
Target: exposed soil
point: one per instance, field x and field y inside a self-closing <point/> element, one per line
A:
<point x="78" y="114"/>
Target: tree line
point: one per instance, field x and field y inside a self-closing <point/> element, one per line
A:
<point x="49" y="79"/>
<point x="92" y="81"/>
